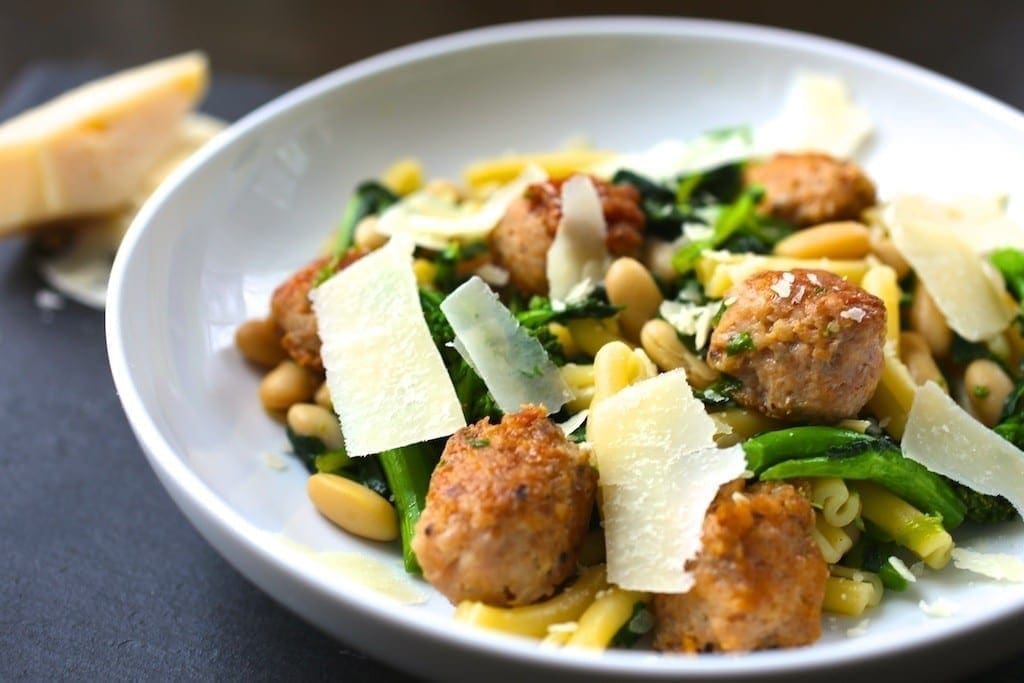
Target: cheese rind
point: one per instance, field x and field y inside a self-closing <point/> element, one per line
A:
<point x="952" y="271"/>
<point x="386" y="377"/>
<point x="944" y="438"/>
<point x="512" y="363"/>
<point x="659" y="473"/>
<point x="86" y="151"/>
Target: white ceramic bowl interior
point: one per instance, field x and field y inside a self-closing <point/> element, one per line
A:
<point x="206" y="252"/>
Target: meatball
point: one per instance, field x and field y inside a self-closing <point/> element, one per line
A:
<point x="759" y="578"/>
<point x="806" y="345"/>
<point x="506" y="511"/>
<point x="291" y="310"/>
<point x="808" y="189"/>
<point x="523" y="236"/>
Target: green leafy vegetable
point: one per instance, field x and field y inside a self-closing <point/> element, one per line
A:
<point x="1010" y="263"/>
<point x="641" y="621"/>
<point x="369" y="198"/>
<point x="770" y="448"/>
<point x="476" y="400"/>
<point x="1011" y="423"/>
<point x="408" y="470"/>
<point x="540" y="311"/>
<point x="730" y="220"/>
<point x="447" y="277"/>
<point x="720" y="392"/>
<point x="332" y="461"/>
<point x="305" y="448"/>
<point x="871" y="459"/>
<point x="982" y="508"/>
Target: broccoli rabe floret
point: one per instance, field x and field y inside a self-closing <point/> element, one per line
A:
<point x="982" y="508"/>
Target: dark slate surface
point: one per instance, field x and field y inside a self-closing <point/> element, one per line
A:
<point x="100" y="576"/>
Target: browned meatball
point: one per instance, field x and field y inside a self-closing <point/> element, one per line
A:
<point x="521" y="240"/>
<point x="759" y="578"/>
<point x="506" y="512"/>
<point x="291" y="310"/>
<point x="808" y="189"/>
<point x="806" y="345"/>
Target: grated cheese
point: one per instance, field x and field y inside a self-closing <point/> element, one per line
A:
<point x="902" y="569"/>
<point x="386" y="378"/>
<point x="578" y="252"/>
<point x="855" y="314"/>
<point x="511" y="362"/>
<point x="690" y="319"/>
<point x="860" y="629"/>
<point x="939" y="609"/>
<point x="659" y="472"/>
<point x="944" y="438"/>
<point x="993" y="565"/>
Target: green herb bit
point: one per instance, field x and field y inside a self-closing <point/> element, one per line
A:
<point x="479" y="443"/>
<point x="980" y="391"/>
<point x="738" y="343"/>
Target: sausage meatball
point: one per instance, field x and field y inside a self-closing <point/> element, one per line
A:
<point x="808" y="189"/>
<point x="291" y="310"/>
<point x="759" y="578"/>
<point x="506" y="511"/>
<point x="521" y="240"/>
<point x="806" y="345"/>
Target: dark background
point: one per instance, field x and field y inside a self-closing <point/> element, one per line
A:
<point x="100" y="576"/>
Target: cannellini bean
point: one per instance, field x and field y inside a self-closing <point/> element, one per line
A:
<point x="322" y="397"/>
<point x="353" y="507"/>
<point x="631" y="286"/>
<point x="661" y="342"/>
<point x="887" y="253"/>
<point x="309" y="419"/>
<point x="367" y="237"/>
<point x="840" y="240"/>
<point x="917" y="356"/>
<point x="988" y="387"/>
<point x="259" y="341"/>
<point x="287" y="384"/>
<point x="658" y="259"/>
<point x="926" y="318"/>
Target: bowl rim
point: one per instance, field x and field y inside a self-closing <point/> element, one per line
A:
<point x="181" y="481"/>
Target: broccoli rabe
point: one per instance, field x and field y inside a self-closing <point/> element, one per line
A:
<point x="477" y="402"/>
<point x="540" y="311"/>
<point x="370" y="198"/>
<point x="982" y="508"/>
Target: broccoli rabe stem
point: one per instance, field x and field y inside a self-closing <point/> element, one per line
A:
<point x="797" y="443"/>
<point x="408" y="470"/>
<point x="886" y="466"/>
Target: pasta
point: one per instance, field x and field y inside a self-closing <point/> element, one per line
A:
<point x="839" y="507"/>
<point x="907" y="525"/>
<point x="603" y="619"/>
<point x="833" y="540"/>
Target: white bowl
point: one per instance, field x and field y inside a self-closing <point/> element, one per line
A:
<point x="207" y="250"/>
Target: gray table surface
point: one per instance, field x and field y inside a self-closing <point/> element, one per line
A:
<point x="100" y="576"/>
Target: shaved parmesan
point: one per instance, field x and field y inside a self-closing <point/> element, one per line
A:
<point x="510" y="361"/>
<point x="993" y="565"/>
<point x="659" y="472"/>
<point x="578" y="251"/>
<point x="954" y="274"/>
<point x="433" y="221"/>
<point x="574" y="422"/>
<point x="944" y="438"/>
<point x="981" y="219"/>
<point x="901" y="568"/>
<point x="670" y="158"/>
<point x="818" y="115"/>
<point x="386" y="378"/>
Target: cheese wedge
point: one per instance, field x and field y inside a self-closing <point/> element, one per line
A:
<point x="86" y="151"/>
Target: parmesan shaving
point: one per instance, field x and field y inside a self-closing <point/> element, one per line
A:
<point x="433" y="221"/>
<point x="659" y="472"/>
<point x="951" y="270"/>
<point x="578" y="251"/>
<point x="386" y="378"/>
<point x="993" y="565"/>
<point x="946" y="439"/>
<point x="511" y="362"/>
<point x="671" y="158"/>
<point x="981" y="218"/>
<point x="818" y="115"/>
<point x="574" y="422"/>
